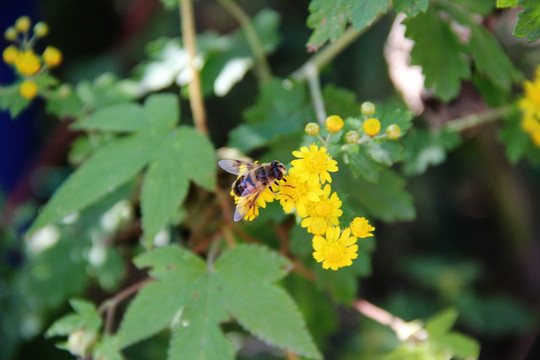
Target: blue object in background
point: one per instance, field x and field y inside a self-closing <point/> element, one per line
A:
<point x="18" y="138"/>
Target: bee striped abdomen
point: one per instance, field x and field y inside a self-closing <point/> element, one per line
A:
<point x="242" y="183"/>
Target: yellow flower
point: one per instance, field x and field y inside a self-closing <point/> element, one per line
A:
<point x="312" y="129"/>
<point x="336" y="250"/>
<point x="360" y="227"/>
<point x="10" y="54"/>
<point x="27" y="63"/>
<point x="372" y="126"/>
<point x="314" y="164"/>
<point x="530" y="106"/>
<point x="22" y="24"/>
<point x="367" y="108"/>
<point x="334" y="124"/>
<point x="393" y="131"/>
<point x="52" y="56"/>
<point x="295" y="193"/>
<point x="252" y="212"/>
<point x="28" y="89"/>
<point x="323" y="213"/>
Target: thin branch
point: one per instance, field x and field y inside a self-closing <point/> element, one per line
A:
<point x="196" y="100"/>
<point x="262" y="68"/>
<point x="473" y="120"/>
<point x="312" y="75"/>
<point x="109" y="306"/>
<point x="403" y="329"/>
<point x="330" y="51"/>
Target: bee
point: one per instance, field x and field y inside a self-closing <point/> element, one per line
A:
<point x="253" y="179"/>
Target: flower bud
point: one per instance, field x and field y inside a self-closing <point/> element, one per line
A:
<point x="312" y="129"/>
<point x="367" y="108"/>
<point x="28" y="89"/>
<point x="393" y="131"/>
<point x="52" y="56"/>
<point x="372" y="126"/>
<point x="41" y="29"/>
<point x="334" y="124"/>
<point x="23" y="24"/>
<point x="10" y="34"/>
<point x="10" y="54"/>
<point x="352" y="137"/>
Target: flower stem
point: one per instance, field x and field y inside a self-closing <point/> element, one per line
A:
<point x="473" y="120"/>
<point x="262" y="67"/>
<point x="314" y="85"/>
<point x="195" y="90"/>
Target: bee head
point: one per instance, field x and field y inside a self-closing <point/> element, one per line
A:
<point x="278" y="169"/>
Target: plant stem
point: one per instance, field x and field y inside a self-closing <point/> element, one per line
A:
<point x="314" y="85"/>
<point x="473" y="120"/>
<point x="262" y="67"/>
<point x="402" y="329"/>
<point x="329" y="52"/>
<point x="109" y="305"/>
<point x="195" y="90"/>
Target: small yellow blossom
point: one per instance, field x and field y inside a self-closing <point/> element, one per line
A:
<point x="352" y="137"/>
<point x="10" y="34"/>
<point x="360" y="227"/>
<point x="28" y="89"/>
<point x="10" y="54"/>
<point x="52" y="56"/>
<point x="22" y="24"/>
<point x="326" y="210"/>
<point x="312" y="129"/>
<point x="367" y="108"/>
<point x="393" y="131"/>
<point x="41" y="29"/>
<point x="313" y="165"/>
<point x="372" y="126"/>
<point x="27" y="63"/>
<point x="334" y="124"/>
<point x="336" y="250"/>
<point x="295" y="193"/>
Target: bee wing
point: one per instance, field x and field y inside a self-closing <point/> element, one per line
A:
<point x="236" y="167"/>
<point x="246" y="201"/>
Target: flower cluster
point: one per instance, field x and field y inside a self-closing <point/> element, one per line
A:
<point x="21" y="55"/>
<point x="530" y="107"/>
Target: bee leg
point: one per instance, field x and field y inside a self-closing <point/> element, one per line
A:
<point x="272" y="190"/>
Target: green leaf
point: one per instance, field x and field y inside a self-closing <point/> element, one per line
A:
<point x="340" y="101"/>
<point x="121" y="117"/>
<point x="162" y="110"/>
<point x="387" y="199"/>
<point x="197" y="155"/>
<point x="107" y="349"/>
<point x="12" y="101"/>
<point x="461" y="346"/>
<point x="392" y="112"/>
<point x="280" y="110"/>
<point x="441" y="324"/>
<point x="482" y="7"/>
<point x="64" y="102"/>
<point x="506" y="3"/>
<point x="246" y="273"/>
<point x="528" y="24"/>
<point x="518" y="142"/>
<point x="329" y="18"/>
<point x="85" y="317"/>
<point x="195" y="299"/>
<point x="440" y="53"/>
<point x="361" y="164"/>
<point x="490" y="58"/>
<point x="427" y="148"/>
<point x="107" y="169"/>
<point x="165" y="187"/>
<point x="411" y="7"/>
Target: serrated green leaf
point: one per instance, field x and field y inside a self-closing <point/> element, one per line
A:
<point x="163" y="260"/>
<point x="329" y="18"/>
<point x="411" y="7"/>
<point x="490" y="58"/>
<point x="12" y="101"/>
<point x="393" y="113"/>
<point x="528" y="24"/>
<point x="162" y="110"/>
<point x="107" y="349"/>
<point x="506" y="3"/>
<point x="439" y="52"/>
<point x="378" y="153"/>
<point x="461" y="346"/>
<point x="280" y="110"/>
<point x="361" y="164"/>
<point x="121" y="117"/>
<point x="517" y="142"/>
<point x="198" y="156"/>
<point x="107" y="169"/>
<point x="246" y="272"/>
<point x="426" y="148"/>
<point x="86" y="317"/>
<point x="387" y="199"/>
<point x="441" y="324"/>
<point x="165" y="187"/>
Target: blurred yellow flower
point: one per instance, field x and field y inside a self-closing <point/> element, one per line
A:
<point x="334" y="124"/>
<point x="10" y="54"/>
<point x="52" y="56"/>
<point x="28" y="89"/>
<point x="372" y="126"/>
<point x="336" y="250"/>
<point x="27" y="63"/>
<point x="361" y="228"/>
